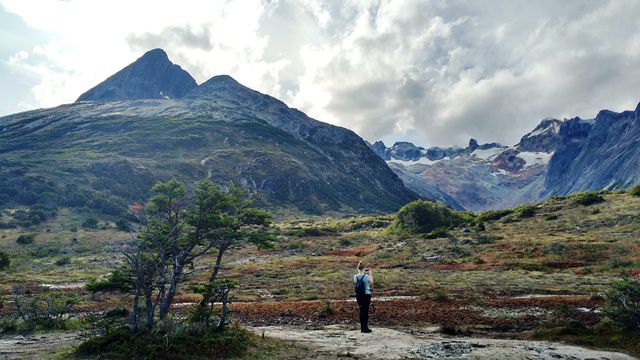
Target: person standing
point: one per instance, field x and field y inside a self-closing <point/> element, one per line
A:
<point x="363" y="283"/>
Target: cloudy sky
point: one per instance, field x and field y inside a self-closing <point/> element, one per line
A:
<point x="433" y="72"/>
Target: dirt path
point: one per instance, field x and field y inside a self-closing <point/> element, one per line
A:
<point x="36" y="346"/>
<point x="339" y="341"/>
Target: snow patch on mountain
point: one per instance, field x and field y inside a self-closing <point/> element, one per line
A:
<point x="535" y="158"/>
<point x="488" y="154"/>
<point x="421" y="161"/>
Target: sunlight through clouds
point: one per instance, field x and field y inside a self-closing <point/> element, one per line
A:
<point x="440" y="71"/>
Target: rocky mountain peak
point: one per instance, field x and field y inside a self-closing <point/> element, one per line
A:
<point x="152" y="76"/>
<point x="381" y="150"/>
<point x="220" y="85"/>
<point x="544" y="138"/>
<point x="403" y="150"/>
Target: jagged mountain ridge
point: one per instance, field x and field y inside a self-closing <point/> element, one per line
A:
<point x="104" y="152"/>
<point x="556" y="158"/>
<point x="603" y="153"/>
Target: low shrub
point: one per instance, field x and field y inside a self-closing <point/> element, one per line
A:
<point x="587" y="199"/>
<point x="438" y="233"/>
<point x="493" y="215"/>
<point x="325" y="310"/>
<point x="90" y="223"/>
<point x="44" y="251"/>
<point x="555" y="248"/>
<point x="26" y="239"/>
<point x="363" y="222"/>
<point x="525" y="211"/>
<point x="635" y="191"/>
<point x="455" y="329"/>
<point x="5" y="261"/>
<point x="117" y="312"/>
<point x="436" y="292"/>
<point x="8" y="325"/>
<point x="623" y="304"/>
<point x="118" y="280"/>
<point x="551" y="217"/>
<point x="310" y="230"/>
<point x="123" y="225"/>
<point x="488" y="239"/>
<point x="45" y="311"/>
<point x="178" y="341"/>
<point x="65" y="260"/>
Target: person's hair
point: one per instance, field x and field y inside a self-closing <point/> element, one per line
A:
<point x="360" y="265"/>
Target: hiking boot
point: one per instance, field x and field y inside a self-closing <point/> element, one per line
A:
<point x="366" y="331"/>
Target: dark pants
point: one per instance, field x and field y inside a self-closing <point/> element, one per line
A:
<point x="364" y="301"/>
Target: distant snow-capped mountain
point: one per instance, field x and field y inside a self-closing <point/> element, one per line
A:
<point x="557" y="157"/>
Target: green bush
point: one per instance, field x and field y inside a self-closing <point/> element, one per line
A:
<point x="488" y="239"/>
<point x="492" y="215"/>
<point x="423" y="216"/>
<point x="65" y="260"/>
<point x="587" y="199"/>
<point x="8" y="325"/>
<point x="438" y="233"/>
<point x="26" y="239"/>
<point x="362" y="222"/>
<point x="525" y="211"/>
<point x="181" y="341"/>
<point x="118" y="280"/>
<point x="117" y="312"/>
<point x="43" y="251"/>
<point x="45" y="311"/>
<point x="5" y="261"/>
<point x="623" y="304"/>
<point x="90" y="223"/>
<point x="555" y="248"/>
<point x="635" y="191"/>
<point x="123" y="225"/>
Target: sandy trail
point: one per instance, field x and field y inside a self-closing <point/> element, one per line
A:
<point x="36" y="346"/>
<point x="341" y="341"/>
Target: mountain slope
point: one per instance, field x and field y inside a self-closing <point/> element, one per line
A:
<point x="105" y="154"/>
<point x="603" y="153"/>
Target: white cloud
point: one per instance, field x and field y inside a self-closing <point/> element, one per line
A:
<point x="432" y="70"/>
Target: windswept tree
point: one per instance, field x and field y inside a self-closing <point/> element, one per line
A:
<point x="178" y="230"/>
<point x="225" y="220"/>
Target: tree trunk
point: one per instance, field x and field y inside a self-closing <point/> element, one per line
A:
<point x="150" y="310"/>
<point x="225" y="310"/>
<point x="135" y="311"/>
<point x="206" y="298"/>
<point x="171" y="292"/>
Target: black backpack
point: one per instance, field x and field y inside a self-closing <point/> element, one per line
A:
<point x="360" y="285"/>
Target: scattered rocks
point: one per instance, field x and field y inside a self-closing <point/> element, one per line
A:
<point x="385" y="343"/>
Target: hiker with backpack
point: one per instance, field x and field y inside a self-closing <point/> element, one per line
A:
<point x="363" y="283"/>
